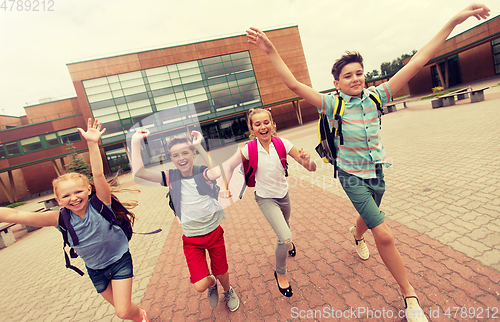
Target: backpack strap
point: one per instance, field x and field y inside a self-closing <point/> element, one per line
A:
<point x="204" y="185"/>
<point x="338" y="112"/>
<point x="174" y="190"/>
<point x="66" y="227"/>
<point x="250" y="165"/>
<point x="376" y="100"/>
<point x="107" y="213"/>
<point x="280" y="148"/>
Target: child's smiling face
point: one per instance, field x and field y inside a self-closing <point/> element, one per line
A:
<point x="351" y="80"/>
<point x="182" y="156"/>
<point x="73" y="194"/>
<point x="262" y="126"/>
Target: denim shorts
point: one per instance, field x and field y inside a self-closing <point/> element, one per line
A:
<point x="119" y="270"/>
<point x="365" y="195"/>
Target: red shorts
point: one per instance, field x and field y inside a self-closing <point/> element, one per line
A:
<point x="194" y="250"/>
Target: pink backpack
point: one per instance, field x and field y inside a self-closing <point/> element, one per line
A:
<point x="249" y="166"/>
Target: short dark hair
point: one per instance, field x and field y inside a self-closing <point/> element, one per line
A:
<point x="180" y="140"/>
<point x="347" y="58"/>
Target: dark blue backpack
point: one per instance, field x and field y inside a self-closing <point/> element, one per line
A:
<point x="108" y="214"/>
<point x="204" y="186"/>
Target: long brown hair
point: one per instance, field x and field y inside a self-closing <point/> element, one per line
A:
<point x="114" y="187"/>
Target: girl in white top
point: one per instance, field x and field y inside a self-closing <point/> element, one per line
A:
<point x="271" y="187"/>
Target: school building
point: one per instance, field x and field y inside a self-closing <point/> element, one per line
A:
<point x="471" y="55"/>
<point x="216" y="80"/>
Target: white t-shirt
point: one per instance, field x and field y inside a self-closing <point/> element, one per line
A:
<point x="270" y="181"/>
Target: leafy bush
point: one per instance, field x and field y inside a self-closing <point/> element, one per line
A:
<point x="437" y="89"/>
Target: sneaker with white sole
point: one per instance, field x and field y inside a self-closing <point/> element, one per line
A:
<point x="232" y="300"/>
<point x="144" y="315"/>
<point x="413" y="311"/>
<point x="361" y="247"/>
<point x="213" y="294"/>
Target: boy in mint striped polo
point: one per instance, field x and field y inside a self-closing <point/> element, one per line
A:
<point x="362" y="157"/>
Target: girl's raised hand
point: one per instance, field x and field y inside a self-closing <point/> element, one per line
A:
<point x="480" y="11"/>
<point x="259" y="39"/>
<point x="93" y="132"/>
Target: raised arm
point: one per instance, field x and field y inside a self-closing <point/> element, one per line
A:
<point x="138" y="168"/>
<point x="92" y="135"/>
<point x="402" y="77"/>
<point x="44" y="219"/>
<point x="259" y="39"/>
<point x="214" y="172"/>
<point x="303" y="158"/>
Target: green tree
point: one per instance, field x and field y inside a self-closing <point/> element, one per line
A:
<point x="390" y="68"/>
<point x="78" y="164"/>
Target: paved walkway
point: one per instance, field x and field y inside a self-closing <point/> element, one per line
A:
<point x="442" y="203"/>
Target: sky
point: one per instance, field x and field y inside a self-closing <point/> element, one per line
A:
<point x="36" y="46"/>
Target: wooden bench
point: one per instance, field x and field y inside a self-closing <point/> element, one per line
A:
<point x="476" y="95"/>
<point x="6" y="235"/>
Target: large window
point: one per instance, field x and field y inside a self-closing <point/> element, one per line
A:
<point x="215" y="87"/>
<point x="36" y="143"/>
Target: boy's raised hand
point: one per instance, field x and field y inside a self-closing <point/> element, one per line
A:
<point x="197" y="137"/>
<point x="480" y="11"/>
<point x="93" y="132"/>
<point x="140" y="134"/>
<point x="259" y="39"/>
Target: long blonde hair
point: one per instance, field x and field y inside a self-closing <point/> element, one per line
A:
<point x="114" y="187"/>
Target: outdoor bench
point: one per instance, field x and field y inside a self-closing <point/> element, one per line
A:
<point x="6" y="235"/>
<point x="476" y="95"/>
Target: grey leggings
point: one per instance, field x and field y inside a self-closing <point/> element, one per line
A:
<point x="277" y="212"/>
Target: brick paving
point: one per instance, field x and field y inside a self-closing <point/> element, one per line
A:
<point x="442" y="204"/>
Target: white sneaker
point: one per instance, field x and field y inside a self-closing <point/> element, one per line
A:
<point x="213" y="294"/>
<point x="361" y="247"/>
<point x="232" y="300"/>
<point x="413" y="311"/>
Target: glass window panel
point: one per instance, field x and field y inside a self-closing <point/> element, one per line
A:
<point x="138" y="104"/>
<point x="2" y="152"/>
<point x="136" y="97"/>
<point x="156" y="71"/>
<point x="158" y="78"/>
<point x="132" y="83"/>
<point x="67" y="131"/>
<point x="119" y="100"/>
<point x="164" y="91"/>
<point x="181" y="101"/>
<point x="113" y="79"/>
<point x="218" y="87"/>
<point x="189" y="72"/>
<point x="106" y="103"/>
<point x="195" y="92"/>
<point x="134" y="90"/>
<point x="124" y="114"/>
<point x="166" y="105"/>
<point x="131" y="75"/>
<point x="496" y="41"/>
<point x="115" y="86"/>
<point x="108" y="118"/>
<point x="242" y="68"/>
<point x="73" y="137"/>
<point x="191" y="79"/>
<point x="94" y="82"/>
<point x="32" y="147"/>
<point x="180" y="95"/>
<point x="243" y="61"/>
<point x="164" y="98"/>
<point x="246" y="74"/>
<point x="31" y="140"/>
<point x="141" y="111"/>
<point x="104" y="111"/>
<point x="118" y="93"/>
<point x="244" y="81"/>
<point x="198" y="98"/>
<point x="97" y="89"/>
<point x="159" y="85"/>
<point x="112" y="125"/>
<point x="122" y="107"/>
<point x="12" y="148"/>
<point x="176" y="81"/>
<point x="216" y="80"/>
<point x="172" y="68"/>
<point x="99" y="97"/>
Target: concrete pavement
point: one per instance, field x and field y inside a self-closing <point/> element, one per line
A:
<point x="442" y="204"/>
